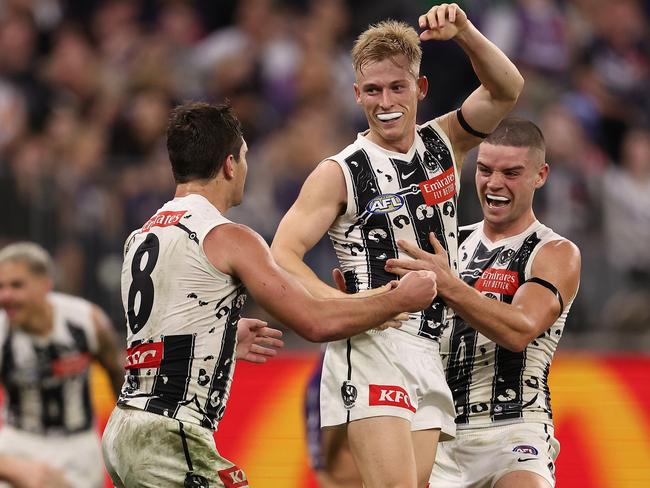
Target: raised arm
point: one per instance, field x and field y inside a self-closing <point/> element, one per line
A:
<point x="534" y="308"/>
<point x="109" y="354"/>
<point x="322" y="198"/>
<point x="238" y="251"/>
<point x="501" y="82"/>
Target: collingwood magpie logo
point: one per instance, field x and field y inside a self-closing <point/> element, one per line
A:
<point x="348" y="394"/>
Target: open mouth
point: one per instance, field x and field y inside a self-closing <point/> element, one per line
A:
<point x="496" y="201"/>
<point x="11" y="312"/>
<point x="388" y="117"/>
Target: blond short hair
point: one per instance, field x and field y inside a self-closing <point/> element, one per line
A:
<point x="34" y="256"/>
<point x="387" y="39"/>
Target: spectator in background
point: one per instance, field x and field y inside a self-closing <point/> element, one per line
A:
<point x="625" y="195"/>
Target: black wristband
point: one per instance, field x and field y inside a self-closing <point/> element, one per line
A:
<point x="550" y="287"/>
<point x="467" y="127"/>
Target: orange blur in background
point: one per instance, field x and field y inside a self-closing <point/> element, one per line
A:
<point x="600" y="403"/>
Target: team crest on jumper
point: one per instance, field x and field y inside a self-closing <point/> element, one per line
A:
<point x="348" y="394"/>
<point x="526" y="449"/>
<point x="386" y="203"/>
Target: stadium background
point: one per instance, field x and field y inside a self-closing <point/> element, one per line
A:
<point x="85" y="86"/>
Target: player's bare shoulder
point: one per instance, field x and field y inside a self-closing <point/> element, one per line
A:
<point x="561" y="252"/>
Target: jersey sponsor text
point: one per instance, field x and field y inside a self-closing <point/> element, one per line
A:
<point x="389" y="395"/>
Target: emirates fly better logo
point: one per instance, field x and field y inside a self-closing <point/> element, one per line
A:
<point x="439" y="188"/>
<point x="163" y="219"/>
<point x="501" y="281"/>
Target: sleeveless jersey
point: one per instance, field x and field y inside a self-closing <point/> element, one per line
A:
<point x="46" y="377"/>
<point x="490" y="383"/>
<point x="181" y="316"/>
<point x="393" y="196"/>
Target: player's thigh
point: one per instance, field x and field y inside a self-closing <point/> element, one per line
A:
<point x="383" y="450"/>
<point x="522" y="479"/>
<point x="338" y="466"/>
<point x="425" y="444"/>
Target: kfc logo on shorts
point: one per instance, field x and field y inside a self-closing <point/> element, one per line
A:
<point x="233" y="477"/>
<point x="526" y="449"/>
<point x="146" y="355"/>
<point x="348" y="394"/>
<point x="439" y="188"/>
<point x="501" y="281"/>
<point x="389" y="395"/>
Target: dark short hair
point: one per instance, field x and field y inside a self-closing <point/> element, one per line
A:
<point x="517" y="132"/>
<point x="200" y="137"/>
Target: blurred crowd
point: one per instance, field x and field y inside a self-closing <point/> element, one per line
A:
<point x="86" y="85"/>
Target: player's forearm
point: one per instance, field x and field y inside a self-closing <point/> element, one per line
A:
<point x="496" y="72"/>
<point x="293" y="264"/>
<point x="352" y="316"/>
<point x="500" y="322"/>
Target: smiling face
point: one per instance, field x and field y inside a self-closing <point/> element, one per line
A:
<point x="506" y="180"/>
<point x="389" y="93"/>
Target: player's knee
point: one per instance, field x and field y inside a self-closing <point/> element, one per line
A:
<point x="522" y="479"/>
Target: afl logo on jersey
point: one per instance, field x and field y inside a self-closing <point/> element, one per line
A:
<point x="386" y="203"/>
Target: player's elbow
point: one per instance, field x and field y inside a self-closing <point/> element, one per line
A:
<point x="519" y="339"/>
<point x="514" y="344"/>
<point x="329" y="330"/>
<point x="314" y="333"/>
<point x="518" y="85"/>
<point x="312" y="330"/>
<point x="283" y="255"/>
<point x="509" y="94"/>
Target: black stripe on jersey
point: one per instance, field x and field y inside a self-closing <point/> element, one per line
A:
<point x="170" y="384"/>
<point x="546" y="390"/>
<point x="51" y="392"/>
<point x="81" y="340"/>
<point x="190" y="233"/>
<point x="437" y="155"/>
<point x="424" y="219"/>
<point x="463" y="341"/>
<point x="12" y="391"/>
<point x="508" y="383"/>
<point x="220" y="384"/>
<point x="460" y="366"/>
<point x="464" y="233"/>
<point x="351" y="281"/>
<point x="376" y="231"/>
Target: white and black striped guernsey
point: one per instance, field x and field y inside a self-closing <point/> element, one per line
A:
<point x="181" y="315"/>
<point x="395" y="196"/>
<point x="489" y="383"/>
<point x="46" y="377"/>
